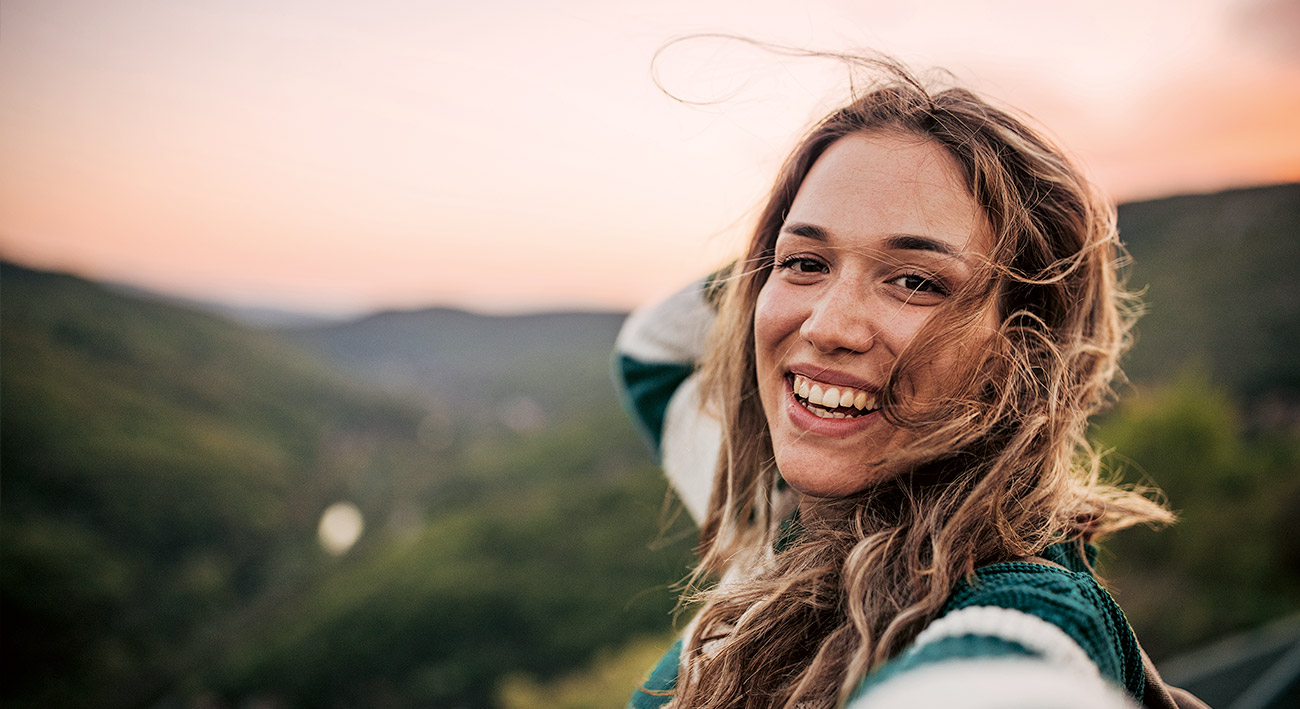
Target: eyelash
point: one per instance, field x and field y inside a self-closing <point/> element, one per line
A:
<point x="928" y="284"/>
<point x="789" y="262"/>
<point x="924" y="283"/>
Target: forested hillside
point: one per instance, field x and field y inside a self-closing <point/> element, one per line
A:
<point x="163" y="475"/>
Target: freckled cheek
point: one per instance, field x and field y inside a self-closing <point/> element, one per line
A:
<point x="776" y="320"/>
<point x="778" y="315"/>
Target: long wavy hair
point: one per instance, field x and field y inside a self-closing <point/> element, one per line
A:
<point x="998" y="469"/>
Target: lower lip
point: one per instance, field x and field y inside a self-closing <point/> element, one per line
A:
<point x="806" y="420"/>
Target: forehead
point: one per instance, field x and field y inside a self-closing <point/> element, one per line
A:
<point x="869" y="187"/>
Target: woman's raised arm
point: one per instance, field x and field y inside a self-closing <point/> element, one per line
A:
<point x="655" y="360"/>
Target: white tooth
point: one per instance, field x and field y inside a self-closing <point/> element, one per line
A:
<point x="846" y="397"/>
<point x="838" y="414"/>
<point x="803" y="388"/>
<point x="815" y="394"/>
<point x="831" y="398"/>
<point x="860" y="401"/>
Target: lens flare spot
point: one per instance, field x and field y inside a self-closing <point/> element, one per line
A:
<point x="340" y="527"/>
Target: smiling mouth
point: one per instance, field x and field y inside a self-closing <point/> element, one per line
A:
<point x="831" y="402"/>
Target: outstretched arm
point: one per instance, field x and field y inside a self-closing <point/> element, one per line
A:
<point x="1021" y="634"/>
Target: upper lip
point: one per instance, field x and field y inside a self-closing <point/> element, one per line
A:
<point x="832" y="377"/>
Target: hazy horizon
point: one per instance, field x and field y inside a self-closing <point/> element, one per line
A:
<point x="272" y="314"/>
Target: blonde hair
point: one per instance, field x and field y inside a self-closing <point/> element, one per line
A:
<point x="998" y="470"/>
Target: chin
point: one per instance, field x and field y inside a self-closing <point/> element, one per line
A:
<point x="821" y="482"/>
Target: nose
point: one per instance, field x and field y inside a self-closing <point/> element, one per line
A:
<point x="840" y="322"/>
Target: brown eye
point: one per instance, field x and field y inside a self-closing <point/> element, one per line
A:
<point x="802" y="264"/>
<point x="918" y="283"/>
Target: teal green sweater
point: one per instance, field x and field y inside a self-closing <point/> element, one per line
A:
<point x="1061" y="618"/>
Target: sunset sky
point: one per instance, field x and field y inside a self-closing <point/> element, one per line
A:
<point x="506" y="155"/>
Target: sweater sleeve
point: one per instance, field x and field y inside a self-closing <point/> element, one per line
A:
<point x="654" y="371"/>
<point x="657" y="689"/>
<point x="1019" y="634"/>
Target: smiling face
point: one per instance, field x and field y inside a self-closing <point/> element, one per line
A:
<point x="881" y="233"/>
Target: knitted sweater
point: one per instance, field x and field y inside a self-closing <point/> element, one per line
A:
<point x="1016" y="634"/>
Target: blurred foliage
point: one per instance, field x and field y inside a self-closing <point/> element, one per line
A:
<point x="556" y="562"/>
<point x="1233" y="559"/>
<point x="606" y="682"/>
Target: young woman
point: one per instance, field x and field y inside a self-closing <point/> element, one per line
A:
<point x="884" y="440"/>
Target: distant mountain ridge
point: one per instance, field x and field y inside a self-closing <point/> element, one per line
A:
<point x="559" y="360"/>
<point x="1221" y="280"/>
<point x="249" y="315"/>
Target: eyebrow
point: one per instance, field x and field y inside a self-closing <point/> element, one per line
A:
<point x="896" y="242"/>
